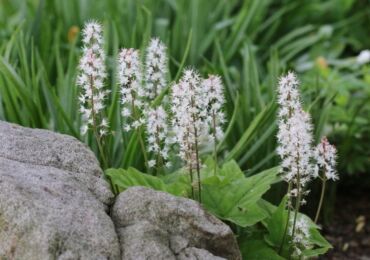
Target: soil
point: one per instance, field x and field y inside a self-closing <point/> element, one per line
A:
<point x="349" y="229"/>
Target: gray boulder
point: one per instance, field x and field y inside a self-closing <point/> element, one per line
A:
<point x="156" y="225"/>
<point x="53" y="200"/>
<point x="46" y="148"/>
<point x="54" y="204"/>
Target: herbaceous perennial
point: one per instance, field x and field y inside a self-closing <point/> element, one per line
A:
<point x="301" y="162"/>
<point x="294" y="136"/>
<point x="215" y="100"/>
<point x="295" y="149"/>
<point x="132" y="92"/>
<point x="189" y="109"/>
<point x="91" y="81"/>
<point x="158" y="136"/>
<point x="157" y="121"/>
<point x="325" y="156"/>
<point x="301" y="239"/>
<point x="155" y="68"/>
<point x="213" y="89"/>
<point x="195" y="119"/>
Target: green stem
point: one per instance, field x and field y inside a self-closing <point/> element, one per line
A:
<point x="159" y="160"/>
<point x="298" y="200"/>
<point x="102" y="155"/>
<point x="198" y="164"/>
<point x="194" y="116"/>
<point x="297" y="205"/>
<point x="215" y="143"/>
<point x="95" y="125"/>
<point x="143" y="148"/>
<point x="189" y="155"/>
<point x="191" y="183"/>
<point x="141" y="141"/>
<point x="287" y="221"/>
<point x="321" y="199"/>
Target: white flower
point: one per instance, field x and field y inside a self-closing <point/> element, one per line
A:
<point x="294" y="135"/>
<point x="301" y="239"/>
<point x="157" y="129"/>
<point x="130" y="80"/>
<point x="84" y="129"/>
<point x="91" y="80"/>
<point x="213" y="93"/>
<point x="151" y="163"/>
<point x="155" y="68"/>
<point x="325" y="155"/>
<point x="168" y="164"/>
<point x="363" y="57"/>
<point x="189" y="108"/>
<point x="288" y="95"/>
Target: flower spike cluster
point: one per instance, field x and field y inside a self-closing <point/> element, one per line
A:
<point x="158" y="139"/>
<point x="155" y="68"/>
<point x="189" y="113"/>
<point x="301" y="239"/>
<point x="132" y="93"/>
<point x="294" y="135"/>
<point x="215" y="99"/>
<point x="325" y="155"/>
<point x="91" y="80"/>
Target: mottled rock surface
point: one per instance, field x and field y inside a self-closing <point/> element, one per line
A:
<point x="156" y="225"/>
<point x="53" y="201"/>
<point x="46" y="148"/>
<point x="54" y="204"/>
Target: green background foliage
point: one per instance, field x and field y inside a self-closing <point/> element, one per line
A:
<point x="249" y="43"/>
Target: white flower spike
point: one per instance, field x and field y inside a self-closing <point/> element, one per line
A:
<point x="213" y="93"/>
<point x="189" y="108"/>
<point x="158" y="135"/>
<point x="132" y="93"/>
<point x="91" y="81"/>
<point x="294" y="134"/>
<point x="325" y="155"/>
<point x="155" y="68"/>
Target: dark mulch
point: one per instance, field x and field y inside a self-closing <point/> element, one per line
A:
<point x="349" y="230"/>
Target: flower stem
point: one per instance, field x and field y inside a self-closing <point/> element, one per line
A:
<point x="159" y="160"/>
<point x="287" y="221"/>
<point x="198" y="167"/>
<point x="215" y="142"/>
<point x="321" y="199"/>
<point x="95" y="125"/>
<point x="141" y="141"/>
<point x="191" y="182"/>
<point x="142" y="145"/>
<point x="190" y="164"/>
<point x="100" y="146"/>
<point x="297" y="204"/>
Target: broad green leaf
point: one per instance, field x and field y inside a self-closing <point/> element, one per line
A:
<point x="233" y="197"/>
<point x="276" y="226"/>
<point x="124" y="179"/>
<point x="322" y="245"/>
<point x="257" y="250"/>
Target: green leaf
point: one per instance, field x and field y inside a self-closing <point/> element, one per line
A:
<point x="257" y="250"/>
<point x="276" y="226"/>
<point x="233" y="197"/>
<point x="251" y="132"/>
<point x="318" y="240"/>
<point x="123" y="179"/>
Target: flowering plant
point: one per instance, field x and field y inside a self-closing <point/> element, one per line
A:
<point x="181" y="120"/>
